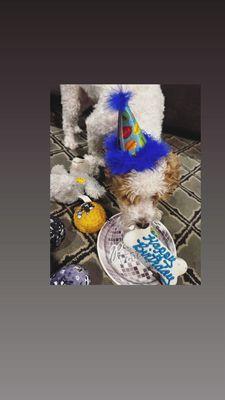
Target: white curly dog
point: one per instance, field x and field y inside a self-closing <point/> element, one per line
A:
<point x="137" y="192"/>
<point x="147" y="105"/>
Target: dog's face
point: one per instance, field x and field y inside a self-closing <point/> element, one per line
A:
<point x="139" y="211"/>
<point x="138" y="193"/>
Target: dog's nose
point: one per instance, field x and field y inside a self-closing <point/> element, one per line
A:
<point x="142" y="224"/>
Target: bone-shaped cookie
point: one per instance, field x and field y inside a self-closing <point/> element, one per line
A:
<point x="156" y="254"/>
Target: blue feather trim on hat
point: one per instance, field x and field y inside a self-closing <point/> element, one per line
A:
<point x="121" y="162"/>
<point x="118" y="99"/>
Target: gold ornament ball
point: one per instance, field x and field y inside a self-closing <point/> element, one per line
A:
<point x="89" y="217"/>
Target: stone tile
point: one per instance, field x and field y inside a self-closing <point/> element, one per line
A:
<point x="193" y="184"/>
<point x="177" y="142"/>
<point x="186" y="140"/>
<point x="194" y="153"/>
<point x="55" y="207"/>
<point x="166" y="136"/>
<point x="191" y="251"/>
<point x="169" y="141"/>
<point x="110" y="207"/>
<point x="198" y="225"/>
<point x="184" y="203"/>
<point x="54" y="130"/>
<point x="183" y="171"/>
<point x="198" y="147"/>
<point x="107" y="280"/>
<point x="60" y="136"/>
<point x="173" y="224"/>
<point x="188" y="162"/>
<point x="60" y="158"/>
<point x="173" y="148"/>
<point x="198" y="174"/>
<point x="54" y="146"/>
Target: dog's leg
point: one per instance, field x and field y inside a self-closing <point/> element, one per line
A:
<point x="99" y="123"/>
<point x="70" y="113"/>
<point x="89" y="164"/>
<point x="95" y="138"/>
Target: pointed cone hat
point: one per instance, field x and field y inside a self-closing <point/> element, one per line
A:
<point x="130" y="135"/>
<point x="130" y="148"/>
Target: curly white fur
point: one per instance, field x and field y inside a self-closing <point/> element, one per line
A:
<point x="145" y="183"/>
<point x="147" y="104"/>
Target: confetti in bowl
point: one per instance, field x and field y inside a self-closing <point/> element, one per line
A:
<point x="123" y="265"/>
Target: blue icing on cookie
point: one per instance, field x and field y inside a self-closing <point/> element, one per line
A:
<point x="160" y="258"/>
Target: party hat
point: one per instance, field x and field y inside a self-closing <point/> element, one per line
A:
<point x="131" y="137"/>
<point x="130" y="148"/>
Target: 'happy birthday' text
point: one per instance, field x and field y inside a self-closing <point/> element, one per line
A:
<point x="160" y="258"/>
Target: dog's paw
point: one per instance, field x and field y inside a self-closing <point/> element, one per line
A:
<point x="70" y="142"/>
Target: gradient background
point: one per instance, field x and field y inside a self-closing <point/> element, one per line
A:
<point x="105" y="342"/>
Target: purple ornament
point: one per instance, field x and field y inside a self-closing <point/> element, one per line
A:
<point x="57" y="231"/>
<point x="71" y="275"/>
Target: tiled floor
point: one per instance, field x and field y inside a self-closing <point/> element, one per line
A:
<point x="181" y="214"/>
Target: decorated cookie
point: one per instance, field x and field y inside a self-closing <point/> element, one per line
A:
<point x="156" y="254"/>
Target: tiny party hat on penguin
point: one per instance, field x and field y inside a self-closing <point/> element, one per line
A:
<point x="130" y="148"/>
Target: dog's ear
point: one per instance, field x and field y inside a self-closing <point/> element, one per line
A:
<point x="120" y="187"/>
<point x="117" y="185"/>
<point x="171" y="178"/>
<point x="156" y="198"/>
<point x="172" y="173"/>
